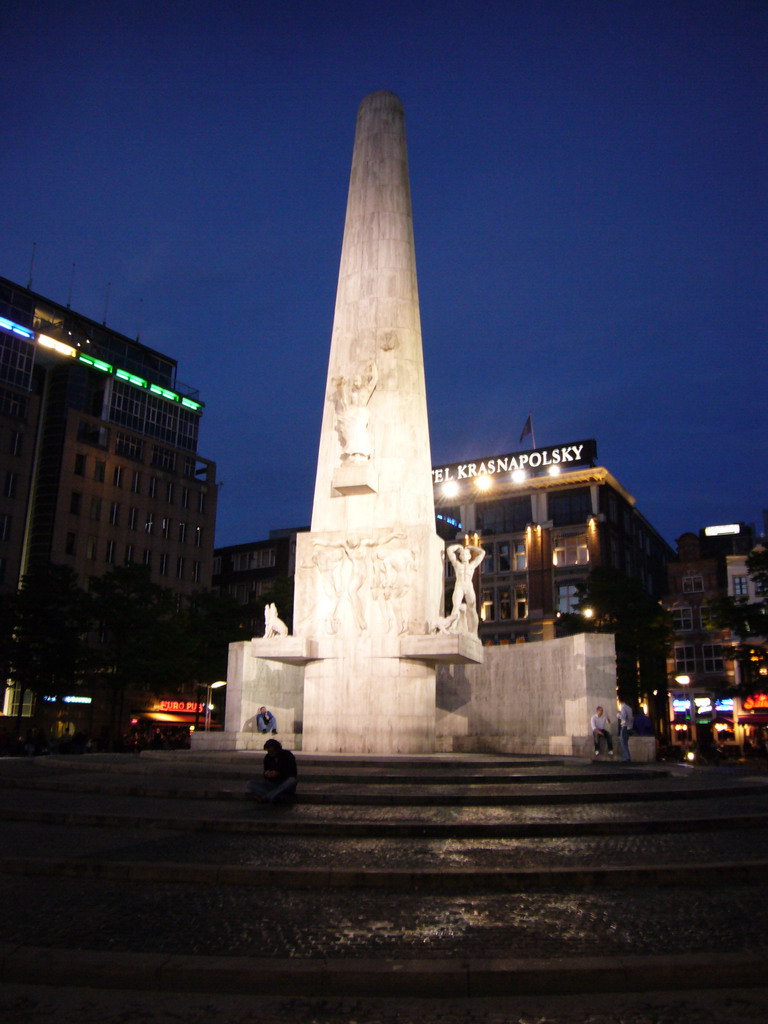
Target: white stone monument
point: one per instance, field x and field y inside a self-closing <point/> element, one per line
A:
<point x="359" y="673"/>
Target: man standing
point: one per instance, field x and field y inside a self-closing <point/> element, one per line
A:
<point x="626" y="721"/>
<point x="600" y="723"/>
<point x="280" y="774"/>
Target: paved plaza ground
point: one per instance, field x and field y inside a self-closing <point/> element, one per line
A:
<point x="394" y="889"/>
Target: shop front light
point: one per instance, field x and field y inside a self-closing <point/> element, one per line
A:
<point x="56" y="346"/>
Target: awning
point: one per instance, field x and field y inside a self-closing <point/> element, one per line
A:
<point x="169" y="717"/>
<point x="757" y="718"/>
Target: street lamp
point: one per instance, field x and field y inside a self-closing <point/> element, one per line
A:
<point x="208" y="704"/>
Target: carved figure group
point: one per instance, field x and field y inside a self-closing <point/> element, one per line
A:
<point x="350" y="397"/>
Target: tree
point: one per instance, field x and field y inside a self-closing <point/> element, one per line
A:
<point x="141" y="639"/>
<point x="747" y="622"/>
<point x="610" y="602"/>
<point x="45" y="625"/>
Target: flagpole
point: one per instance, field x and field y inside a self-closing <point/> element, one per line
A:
<point x="533" y="436"/>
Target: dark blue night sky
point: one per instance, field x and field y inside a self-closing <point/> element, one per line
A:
<point x="590" y="205"/>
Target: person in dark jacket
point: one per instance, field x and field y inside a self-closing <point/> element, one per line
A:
<point x="280" y="776"/>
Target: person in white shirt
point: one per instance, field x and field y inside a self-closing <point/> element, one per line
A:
<point x="600" y="723"/>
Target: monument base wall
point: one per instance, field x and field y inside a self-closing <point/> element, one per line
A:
<point x="534" y="698"/>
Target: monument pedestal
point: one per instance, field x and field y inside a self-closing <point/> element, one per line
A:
<point x="364" y="703"/>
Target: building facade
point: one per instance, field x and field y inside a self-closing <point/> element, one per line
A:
<point x="99" y="464"/>
<point x="247" y="572"/>
<point x="546" y="518"/>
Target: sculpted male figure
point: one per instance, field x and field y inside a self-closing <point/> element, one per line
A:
<point x="465" y="558"/>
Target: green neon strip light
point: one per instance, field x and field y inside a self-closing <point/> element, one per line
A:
<point x="164" y="392"/>
<point x="190" y="404"/>
<point x="132" y="378"/>
<point x="97" y="364"/>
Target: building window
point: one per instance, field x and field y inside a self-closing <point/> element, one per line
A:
<point x="149" y="523"/>
<point x="11" y="480"/>
<point x="264" y="559"/>
<point x="163" y="458"/>
<point x="90" y="549"/>
<point x="241" y="561"/>
<point x="504" y="561"/>
<point x="569" y="507"/>
<point x="117" y="476"/>
<point x="147" y="556"/>
<point x="567" y="598"/>
<point x="182" y="533"/>
<point x="99" y="471"/>
<point x="505" y="604"/>
<point x="128" y="554"/>
<point x="682" y="618"/>
<point x="196" y="572"/>
<point x="69" y="544"/>
<point x="189" y="467"/>
<point x="79" y="464"/>
<point x="685" y="658"/>
<point x="571" y="550"/>
<point x="198" y="536"/>
<point x="110" y="555"/>
<point x="130" y="447"/>
<point x="169" y="492"/>
<point x="216" y="565"/>
<point x="163" y="564"/>
<point x="693" y="584"/>
<point x="153" y="486"/>
<point x="180" y="568"/>
<point x="185" y="497"/>
<point x="136" y="483"/>
<point x="5" y="526"/>
<point x="17" y="441"/>
<point x="75" y="502"/>
<point x="133" y="514"/>
<point x="713" y="657"/>
<point x="487" y="564"/>
<point x="201" y="502"/>
<point x="740" y="586"/>
<point x="521" y="559"/>
<point x="166" y="528"/>
<point x="114" y="513"/>
<point x="521" y="602"/>
<point x="95" y="509"/>
<point x="509" y="516"/>
<point x="488" y="606"/>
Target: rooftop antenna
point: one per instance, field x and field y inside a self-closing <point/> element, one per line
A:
<point x="106" y="304"/>
<point x="141" y="313"/>
<point x="71" y="283"/>
<point x="31" y="265"/>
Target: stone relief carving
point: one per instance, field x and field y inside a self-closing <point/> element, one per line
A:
<point x="464" y="558"/>
<point x="273" y="624"/>
<point x="345" y="567"/>
<point x="350" y="397"/>
<point x="394" y="571"/>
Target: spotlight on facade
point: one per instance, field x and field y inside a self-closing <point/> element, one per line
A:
<point x="450" y="489"/>
<point x="484" y="483"/>
<point x="518" y="476"/>
<point x="588" y="613"/>
<point x="554" y="471"/>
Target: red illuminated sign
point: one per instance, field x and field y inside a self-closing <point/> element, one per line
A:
<point x="190" y="706"/>
<point x="757" y="700"/>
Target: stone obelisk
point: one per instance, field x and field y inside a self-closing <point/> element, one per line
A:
<point x="369" y="574"/>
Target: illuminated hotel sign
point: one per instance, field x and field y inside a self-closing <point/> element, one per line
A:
<point x="757" y="700"/>
<point x="563" y="456"/>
